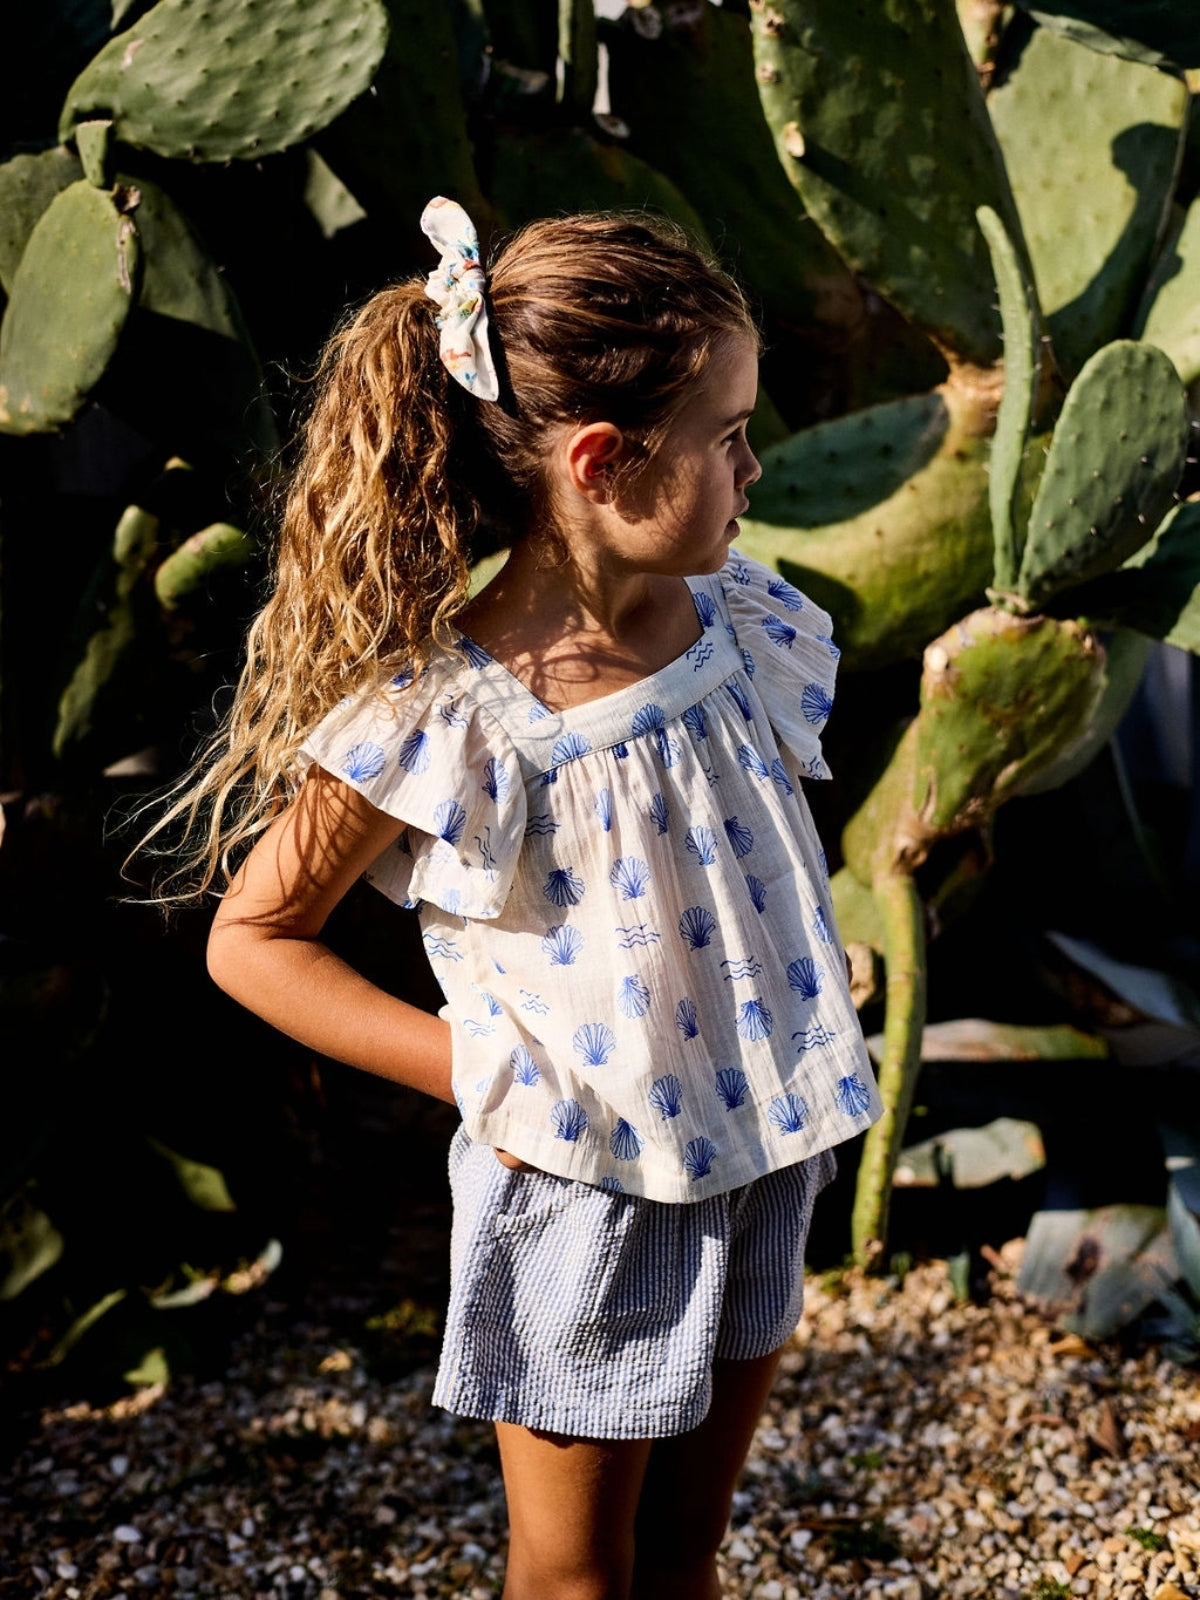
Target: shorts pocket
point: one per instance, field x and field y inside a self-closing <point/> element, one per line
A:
<point x="530" y="1199"/>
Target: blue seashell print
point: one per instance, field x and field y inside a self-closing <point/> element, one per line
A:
<point x="501" y="970"/>
<point x="666" y="1096"/>
<point x="740" y="572"/>
<point x="696" y="722"/>
<point x="823" y="638"/>
<point x="853" y="1096"/>
<point x="603" y="805"/>
<point x="788" y="1112"/>
<point x="494" y="1008"/>
<point x="612" y="1185"/>
<point x="363" y="762"/>
<point x="739" y="836"/>
<point x="814" y="1038"/>
<point x="569" y="1119"/>
<point x="686" y="1019"/>
<point x="758" y="893"/>
<point x="732" y="1087"/>
<point x="524" y="1067"/>
<point x="633" y="997"/>
<point x="402" y="680"/>
<point x="698" y="1157"/>
<point x="820" y="926"/>
<point x="749" y="663"/>
<point x="701" y="843"/>
<point x="697" y="926"/>
<point x="540" y="825"/>
<point x="496" y="781"/>
<point x="705" y="609"/>
<point x="749" y="758"/>
<point x="538" y="711"/>
<point x="740" y="699"/>
<point x="563" y="887"/>
<point x="646" y="720"/>
<point x="625" y="1141"/>
<point x="414" y="752"/>
<point x="815" y="704"/>
<point x="779" y="589"/>
<point x="754" y="1021"/>
<point x="562" y="944"/>
<point x="805" y="976"/>
<point x="449" y="819"/>
<point x="778" y="631"/>
<point x="620" y="750"/>
<point x="637" y="933"/>
<point x="451" y="900"/>
<point x="595" y="1042"/>
<point x="629" y="876"/>
<point x="659" y="814"/>
<point x="568" y="747"/>
<point x="780" y="778"/>
<point x="473" y="654"/>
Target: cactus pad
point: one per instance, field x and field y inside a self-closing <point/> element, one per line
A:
<point x="881" y="127"/>
<point x="1092" y="186"/>
<point x="1022" y="353"/>
<point x="222" y="80"/>
<point x="70" y="297"/>
<point x="1169" y="315"/>
<point x="188" y="569"/>
<point x="1157" y="32"/>
<point x="1157" y="591"/>
<point x="1115" y="459"/>
<point x="27" y="186"/>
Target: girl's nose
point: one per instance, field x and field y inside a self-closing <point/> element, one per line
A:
<point x="750" y="470"/>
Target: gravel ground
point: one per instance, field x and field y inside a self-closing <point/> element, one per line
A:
<point x="914" y="1446"/>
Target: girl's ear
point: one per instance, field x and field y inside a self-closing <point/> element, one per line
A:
<point x="591" y="453"/>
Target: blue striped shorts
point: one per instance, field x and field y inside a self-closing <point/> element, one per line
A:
<point x="599" y="1315"/>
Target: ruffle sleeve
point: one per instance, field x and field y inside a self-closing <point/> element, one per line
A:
<point x="425" y="754"/>
<point x="787" y="644"/>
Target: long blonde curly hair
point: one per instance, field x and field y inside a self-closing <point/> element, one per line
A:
<point x="593" y="317"/>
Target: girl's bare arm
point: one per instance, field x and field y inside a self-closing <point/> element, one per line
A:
<point x="265" y="948"/>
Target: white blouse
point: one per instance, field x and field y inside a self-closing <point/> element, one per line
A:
<point x="625" y="903"/>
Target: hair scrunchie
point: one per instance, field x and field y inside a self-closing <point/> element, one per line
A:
<point x="457" y="286"/>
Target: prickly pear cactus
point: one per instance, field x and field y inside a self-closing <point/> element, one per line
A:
<point x="70" y="297"/>
<point x="1167" y="34"/>
<point x="27" y="186"/>
<point x="229" y="80"/>
<point x="187" y="569"/>
<point x="1169" y="315"/>
<point x="1115" y="460"/>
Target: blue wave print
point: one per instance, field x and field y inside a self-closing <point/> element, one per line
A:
<point x="487" y="856"/>
<point x="603" y="809"/>
<point x="779" y="589"/>
<point x="757" y="890"/>
<point x="788" y="1113"/>
<point x="749" y="968"/>
<point x="687" y="1019"/>
<point x="629" y="876"/>
<point x="637" y="934"/>
<point x="779" y="632"/>
<point x="666" y="1096"/>
<point x="473" y="654"/>
<point x="780" y="778"/>
<point x="815" y="703"/>
<point x="814" y="1038"/>
<point x="569" y="747"/>
<point x="659" y="814"/>
<point x="414" y="752"/>
<point x="739" y="836"/>
<point x="820" y="926"/>
<point x="698" y="1157"/>
<point x="595" y="1042"/>
<point x="740" y="572"/>
<point x="562" y="944"/>
<point x="696" y="722"/>
<point x="705" y="609"/>
<point x="749" y="758"/>
<point x="478" y="1030"/>
<point x="533" y="1003"/>
<point x="754" y="1021"/>
<point x="633" y="998"/>
<point x="625" y="1141"/>
<point x="449" y="819"/>
<point x="805" y="977"/>
<point x="541" y="825"/>
<point x="436" y="945"/>
<point x="563" y="887"/>
<point x="739" y="697"/>
<point x="451" y="715"/>
<point x="569" y="1119"/>
<point x="496" y="781"/>
<point x="701" y="843"/>
<point x="732" y="1087"/>
<point x="524" y="1068"/>
<point x="853" y="1096"/>
<point x="700" y="653"/>
<point x="363" y="762"/>
<point x="697" y="926"/>
<point x="749" y="663"/>
<point x="814" y="768"/>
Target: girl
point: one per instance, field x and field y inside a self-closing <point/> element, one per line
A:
<point x="586" y="780"/>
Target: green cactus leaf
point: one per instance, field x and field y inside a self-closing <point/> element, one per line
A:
<point x="1128" y="1249"/>
<point x="1157" y="591"/>
<point x="70" y="297"/>
<point x="881" y="127"/>
<point x="227" y="81"/>
<point x="1157" y="32"/>
<point x="1000" y="698"/>
<point x="577" y="55"/>
<point x="1169" y="315"/>
<point x="1115" y="459"/>
<point x="1126" y="654"/>
<point x="204" y="1186"/>
<point x="882" y="516"/>
<point x="188" y="569"/>
<point x="30" y="1244"/>
<point x="1022" y="352"/>
<point x="1093" y="185"/>
<point x="329" y="202"/>
<point x="27" y="186"/>
<point x="93" y="140"/>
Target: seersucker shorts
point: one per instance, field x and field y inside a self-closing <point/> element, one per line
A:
<point x="579" y="1311"/>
